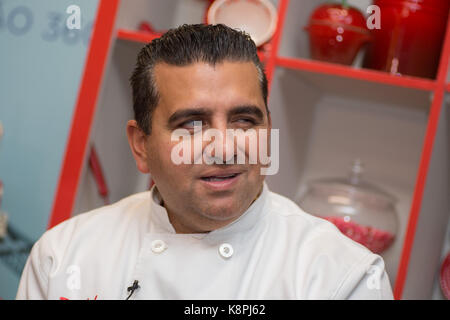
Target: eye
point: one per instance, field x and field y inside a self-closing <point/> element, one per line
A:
<point x="246" y="121"/>
<point x="192" y="124"/>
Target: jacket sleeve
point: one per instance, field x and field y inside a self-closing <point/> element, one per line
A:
<point x="34" y="281"/>
<point x="367" y="281"/>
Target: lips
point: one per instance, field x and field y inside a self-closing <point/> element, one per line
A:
<point x="220" y="177"/>
<point x="220" y="180"/>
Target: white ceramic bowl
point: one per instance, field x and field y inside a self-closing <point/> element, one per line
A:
<point x="256" y="17"/>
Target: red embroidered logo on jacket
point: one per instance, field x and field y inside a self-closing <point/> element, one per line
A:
<point x="64" y="298"/>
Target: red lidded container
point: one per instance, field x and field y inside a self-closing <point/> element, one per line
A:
<point x="411" y="37"/>
<point x="337" y="33"/>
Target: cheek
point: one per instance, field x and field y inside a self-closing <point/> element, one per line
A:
<point x="161" y="163"/>
<point x="158" y="155"/>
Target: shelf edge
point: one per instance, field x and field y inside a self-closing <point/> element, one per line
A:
<point x="360" y="74"/>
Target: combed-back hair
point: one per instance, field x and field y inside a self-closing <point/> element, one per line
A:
<point x="183" y="46"/>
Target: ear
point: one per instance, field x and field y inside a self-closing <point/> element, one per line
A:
<point x="137" y="140"/>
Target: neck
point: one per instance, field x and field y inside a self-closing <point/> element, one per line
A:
<point x="186" y="224"/>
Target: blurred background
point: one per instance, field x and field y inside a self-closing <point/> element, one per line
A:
<point x="360" y="91"/>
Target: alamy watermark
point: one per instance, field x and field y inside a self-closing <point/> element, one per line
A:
<point x="73" y="21"/>
<point x="73" y="282"/>
<point x="373" y="281"/>
<point x="238" y="147"/>
<point x="374" y="20"/>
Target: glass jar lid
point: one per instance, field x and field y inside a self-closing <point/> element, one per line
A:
<point x="352" y="190"/>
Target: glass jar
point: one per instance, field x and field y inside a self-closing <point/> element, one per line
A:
<point x="360" y="210"/>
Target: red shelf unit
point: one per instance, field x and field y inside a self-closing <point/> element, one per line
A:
<point x="103" y="36"/>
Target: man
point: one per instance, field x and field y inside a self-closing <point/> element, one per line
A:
<point x="205" y="230"/>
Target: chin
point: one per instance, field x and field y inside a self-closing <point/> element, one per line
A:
<point x="225" y="212"/>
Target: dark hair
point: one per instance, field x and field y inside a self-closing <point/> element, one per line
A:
<point x="182" y="46"/>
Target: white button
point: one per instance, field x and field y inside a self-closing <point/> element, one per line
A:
<point x="226" y="250"/>
<point x="158" y="246"/>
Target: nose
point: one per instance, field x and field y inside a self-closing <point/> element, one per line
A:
<point x="229" y="147"/>
<point x="223" y="145"/>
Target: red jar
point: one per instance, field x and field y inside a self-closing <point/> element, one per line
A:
<point x="336" y="33"/>
<point x="411" y="37"/>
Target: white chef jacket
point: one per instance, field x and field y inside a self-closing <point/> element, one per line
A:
<point x="273" y="251"/>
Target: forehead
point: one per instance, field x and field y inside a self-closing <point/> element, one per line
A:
<point x="217" y="87"/>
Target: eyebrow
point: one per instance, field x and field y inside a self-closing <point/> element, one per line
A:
<point x="250" y="109"/>
<point x="203" y="112"/>
<point x="186" y="113"/>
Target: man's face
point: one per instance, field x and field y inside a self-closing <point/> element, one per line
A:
<point x="202" y="197"/>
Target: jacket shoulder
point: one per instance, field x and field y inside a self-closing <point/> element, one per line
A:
<point x="326" y="250"/>
<point x="314" y="228"/>
<point x="100" y="224"/>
